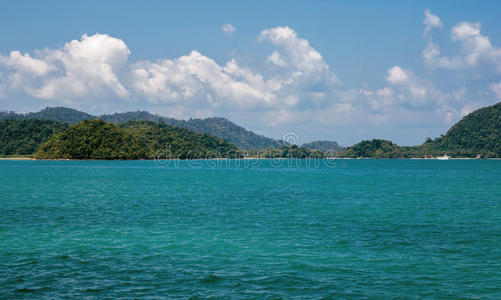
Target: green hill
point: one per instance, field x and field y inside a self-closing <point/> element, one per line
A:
<point x="373" y="149"/>
<point x="59" y="114"/>
<point x="219" y="127"/>
<point x="477" y="133"/>
<point x="325" y="146"/>
<point x="97" y="139"/>
<point x="23" y="137"/>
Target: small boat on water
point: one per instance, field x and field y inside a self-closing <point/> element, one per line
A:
<point x="445" y="157"/>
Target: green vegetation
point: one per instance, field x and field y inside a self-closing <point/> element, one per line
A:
<point x="477" y="133"/>
<point x="23" y="137"/>
<point x="220" y="127"/>
<point x="59" y="114"/>
<point x="231" y="132"/>
<point x="96" y="139"/>
<point x="292" y="152"/>
<point x="325" y="146"/>
<point x="373" y="149"/>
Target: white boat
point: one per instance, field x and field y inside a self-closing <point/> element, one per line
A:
<point x="445" y="157"/>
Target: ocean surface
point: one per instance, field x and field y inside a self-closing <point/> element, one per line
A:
<point x="257" y="229"/>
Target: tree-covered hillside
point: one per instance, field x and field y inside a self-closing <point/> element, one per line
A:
<point x="325" y="146"/>
<point x="96" y="139"/>
<point x="23" y="137"/>
<point x="219" y="127"/>
<point x="229" y="131"/>
<point x="59" y="114"/>
<point x="477" y="133"/>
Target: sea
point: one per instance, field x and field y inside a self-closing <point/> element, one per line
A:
<point x="250" y="229"/>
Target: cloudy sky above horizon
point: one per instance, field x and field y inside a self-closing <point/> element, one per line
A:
<point x="319" y="69"/>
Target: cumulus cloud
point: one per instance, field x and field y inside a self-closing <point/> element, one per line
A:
<point x="197" y="78"/>
<point x="228" y="29"/>
<point x="396" y="75"/>
<point x="97" y="66"/>
<point x="82" y="68"/>
<point x="296" y="53"/>
<point x="474" y="49"/>
<point x="431" y="21"/>
<point x="416" y="92"/>
<point x="294" y="85"/>
<point x="89" y="66"/>
<point x="25" y="64"/>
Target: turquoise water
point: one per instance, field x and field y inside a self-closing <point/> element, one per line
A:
<point x="250" y="229"/>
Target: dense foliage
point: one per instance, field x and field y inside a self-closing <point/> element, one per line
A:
<point x="23" y="137"/>
<point x="160" y="140"/>
<point x="292" y="151"/>
<point x="96" y="139"/>
<point x="478" y="133"/>
<point x="325" y="146"/>
<point x="215" y="126"/>
<point x="59" y="114"/>
<point x="386" y="149"/>
<point x="373" y="149"/>
<point x="220" y="127"/>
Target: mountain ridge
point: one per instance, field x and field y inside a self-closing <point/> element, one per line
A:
<point x="216" y="126"/>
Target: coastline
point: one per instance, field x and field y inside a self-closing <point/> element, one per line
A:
<point x="245" y="158"/>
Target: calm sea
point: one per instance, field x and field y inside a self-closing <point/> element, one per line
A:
<point x="263" y="229"/>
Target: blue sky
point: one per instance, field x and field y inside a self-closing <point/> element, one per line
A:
<point x="320" y="69"/>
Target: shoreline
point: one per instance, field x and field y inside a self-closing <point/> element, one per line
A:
<point x="248" y="158"/>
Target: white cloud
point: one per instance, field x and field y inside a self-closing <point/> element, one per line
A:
<point x="90" y="66"/>
<point x="297" y="53"/>
<point x="396" y="75"/>
<point x="303" y="75"/>
<point x="196" y="77"/>
<point x="82" y="68"/>
<point x="25" y="64"/>
<point x="413" y="91"/>
<point x="431" y="56"/>
<point x="380" y="100"/>
<point x="431" y="21"/>
<point x="276" y="59"/>
<point x="294" y="86"/>
<point x="228" y="29"/>
<point x="474" y="49"/>
<point x="496" y="88"/>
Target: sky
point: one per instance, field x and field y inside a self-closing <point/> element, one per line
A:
<point x="317" y="70"/>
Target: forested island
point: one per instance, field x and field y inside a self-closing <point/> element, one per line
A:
<point x="478" y="134"/>
<point x="62" y="133"/>
<point x="97" y="139"/>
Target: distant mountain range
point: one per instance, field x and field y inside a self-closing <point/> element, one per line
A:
<point x="477" y="135"/>
<point x="219" y="127"/>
